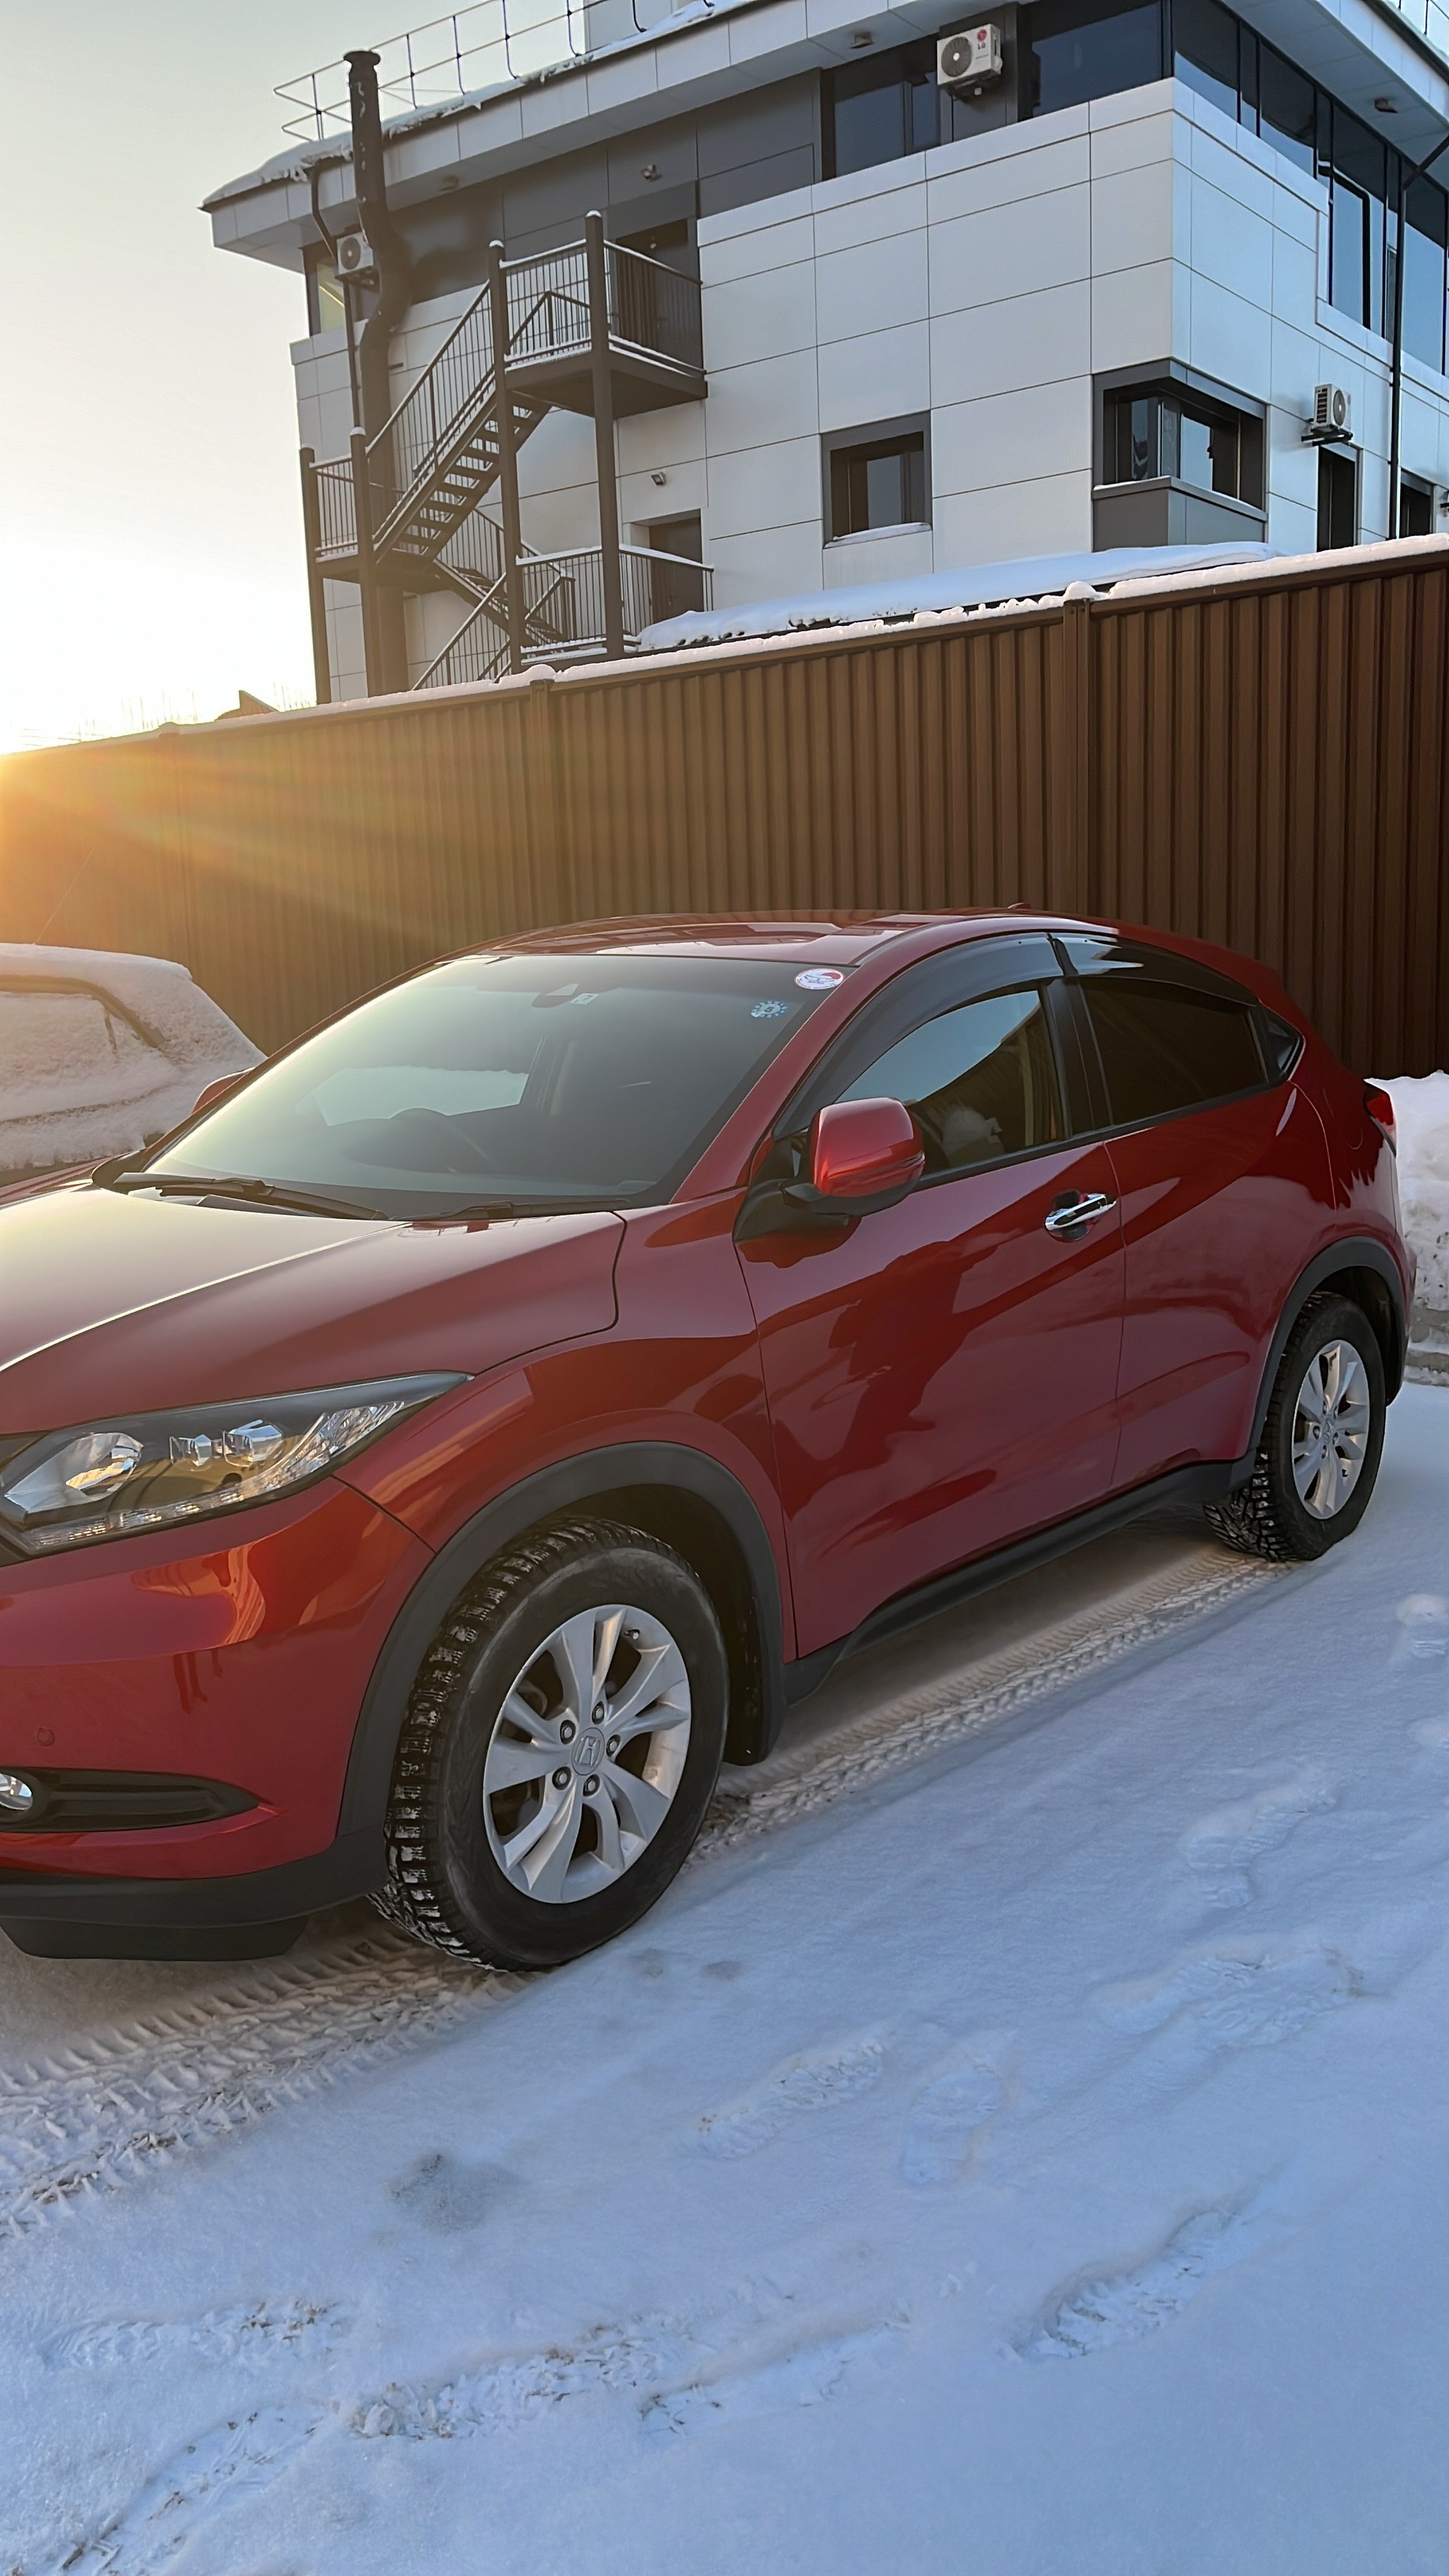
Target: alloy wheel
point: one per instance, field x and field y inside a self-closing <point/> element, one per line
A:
<point x="586" y="1753"/>
<point x="1331" y="1425"/>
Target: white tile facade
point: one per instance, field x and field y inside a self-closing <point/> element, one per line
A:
<point x="984" y="283"/>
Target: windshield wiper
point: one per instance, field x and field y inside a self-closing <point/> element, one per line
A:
<point x="251" y="1193"/>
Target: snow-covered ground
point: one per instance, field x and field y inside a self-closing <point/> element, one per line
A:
<point x="1018" y="2145"/>
<point x="1422" y="1111"/>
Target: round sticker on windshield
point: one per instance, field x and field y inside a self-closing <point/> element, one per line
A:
<point x="818" y="979"/>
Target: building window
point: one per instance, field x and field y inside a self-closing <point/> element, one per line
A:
<point x="1082" y="49"/>
<point x="1285" y="103"/>
<point x="1425" y="234"/>
<point x="1163" y="431"/>
<point x="1416" y="507"/>
<point x="1337" y="499"/>
<point x="1205" y="51"/>
<point x="876" y="479"/>
<point x="326" y="310"/>
<point x="880" y="109"/>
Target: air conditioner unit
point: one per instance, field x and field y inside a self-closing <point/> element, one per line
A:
<point x="969" y="59"/>
<point x="1332" y="415"/>
<point x="355" y="256"/>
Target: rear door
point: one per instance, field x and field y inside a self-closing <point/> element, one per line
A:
<point x="941" y="1376"/>
<point x="1222" y="1172"/>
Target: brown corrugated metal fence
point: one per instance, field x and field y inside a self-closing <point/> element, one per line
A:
<point x="1259" y="760"/>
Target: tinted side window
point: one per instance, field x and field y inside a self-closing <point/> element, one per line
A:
<point x="1165" y="1048"/>
<point x="981" y="1080"/>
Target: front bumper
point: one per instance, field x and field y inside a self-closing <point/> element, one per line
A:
<point x="237" y="1651"/>
<point x="255" y="1916"/>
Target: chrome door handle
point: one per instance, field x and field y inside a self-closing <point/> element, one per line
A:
<point x="1071" y="1216"/>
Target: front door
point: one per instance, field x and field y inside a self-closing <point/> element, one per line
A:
<point x="941" y="1376"/>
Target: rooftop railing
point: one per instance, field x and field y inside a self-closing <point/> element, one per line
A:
<point x="479" y="48"/>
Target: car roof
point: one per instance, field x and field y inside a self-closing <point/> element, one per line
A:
<point x="840" y="938"/>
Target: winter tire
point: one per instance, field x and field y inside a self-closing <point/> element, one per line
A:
<point x="560" y="1748"/>
<point x="1322" y="1439"/>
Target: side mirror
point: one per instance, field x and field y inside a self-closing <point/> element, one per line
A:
<point x="864" y="1155"/>
<point x="216" y="1091"/>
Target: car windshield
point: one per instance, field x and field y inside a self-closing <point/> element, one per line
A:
<point x="560" y="1080"/>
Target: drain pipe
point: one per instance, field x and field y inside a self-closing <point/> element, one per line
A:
<point x="1396" y="396"/>
<point x="388" y="667"/>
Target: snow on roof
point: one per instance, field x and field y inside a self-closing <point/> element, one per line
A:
<point x="157" y="992"/>
<point x="1025" y="578"/>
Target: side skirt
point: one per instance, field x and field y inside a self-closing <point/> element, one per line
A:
<point x="1202" y="1483"/>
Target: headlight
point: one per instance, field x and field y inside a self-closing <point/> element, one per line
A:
<point x="146" y="1471"/>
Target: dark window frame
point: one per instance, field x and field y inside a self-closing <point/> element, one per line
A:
<point x="880" y="435"/>
<point x="1202" y="397"/>
<point x="909" y="70"/>
<point x="1331" y="456"/>
<point x="1158" y="967"/>
<point x="1414" y="489"/>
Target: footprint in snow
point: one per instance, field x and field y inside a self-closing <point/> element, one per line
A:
<point x="1424" y="1622"/>
<point x="254" y="2331"/>
<point x="815" y="2082"/>
<point x="810" y="2376"/>
<point x="951" y="2115"/>
<point x="1222" y="2001"/>
<point x="1221" y="1849"/>
<point x="1123" y="2306"/>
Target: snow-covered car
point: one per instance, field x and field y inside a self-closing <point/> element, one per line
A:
<point x="100" y="1052"/>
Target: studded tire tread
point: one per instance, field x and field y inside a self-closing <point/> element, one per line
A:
<point x="1264" y="1517"/>
<point x="417" y="1894"/>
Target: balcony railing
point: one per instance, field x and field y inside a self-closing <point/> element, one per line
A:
<point x="653" y="309"/>
<point x="474" y="49"/>
<point x="563" y="597"/>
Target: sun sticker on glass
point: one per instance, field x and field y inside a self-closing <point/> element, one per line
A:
<point x="769" y="1010"/>
<point x="818" y="979"/>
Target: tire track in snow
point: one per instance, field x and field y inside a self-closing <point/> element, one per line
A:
<point x="110" y="2106"/>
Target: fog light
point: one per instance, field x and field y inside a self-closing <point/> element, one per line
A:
<point x="16" y="1795"/>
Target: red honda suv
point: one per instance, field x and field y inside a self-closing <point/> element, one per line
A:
<point x="424" y="1467"/>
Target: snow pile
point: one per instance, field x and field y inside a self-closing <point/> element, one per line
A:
<point x="1422" y="1112"/>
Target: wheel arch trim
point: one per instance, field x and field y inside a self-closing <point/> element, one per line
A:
<point x="597" y="1478"/>
<point x="1353" y="1252"/>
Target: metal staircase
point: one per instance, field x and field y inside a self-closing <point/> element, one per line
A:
<point x="593" y="328"/>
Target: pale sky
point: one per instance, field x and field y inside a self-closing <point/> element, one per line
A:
<point x="150" y="521"/>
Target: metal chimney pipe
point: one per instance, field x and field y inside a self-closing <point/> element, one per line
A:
<point x="369" y="181"/>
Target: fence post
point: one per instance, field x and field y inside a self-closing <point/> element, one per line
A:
<point x="507" y="458"/>
<point x="316" y="595"/>
<point x="1076" y="834"/>
<point x="610" y="570"/>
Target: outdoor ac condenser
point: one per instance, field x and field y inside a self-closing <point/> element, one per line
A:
<point x="970" y="58"/>
<point x="355" y="257"/>
<point x="1332" y="415"/>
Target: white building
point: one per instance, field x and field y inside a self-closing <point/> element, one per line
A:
<point x="1083" y="302"/>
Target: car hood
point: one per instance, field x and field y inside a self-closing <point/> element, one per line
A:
<point x="107" y="1299"/>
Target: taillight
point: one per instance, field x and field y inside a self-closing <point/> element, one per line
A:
<point x="1380" y="1107"/>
